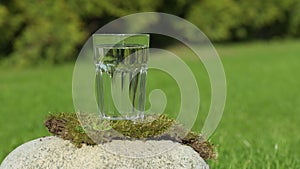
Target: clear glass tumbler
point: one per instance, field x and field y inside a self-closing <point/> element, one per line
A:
<point x="121" y="71"/>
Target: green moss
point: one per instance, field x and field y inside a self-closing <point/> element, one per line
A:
<point x="159" y="127"/>
<point x="151" y="126"/>
<point x="67" y="126"/>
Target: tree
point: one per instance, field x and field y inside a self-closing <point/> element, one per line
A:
<point x="52" y="31"/>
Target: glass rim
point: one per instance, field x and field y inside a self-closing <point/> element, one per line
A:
<point x="101" y="39"/>
<point x="123" y="46"/>
<point x="120" y="34"/>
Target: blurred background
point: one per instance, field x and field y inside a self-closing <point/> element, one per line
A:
<point x="258" y="42"/>
<point x="53" y="31"/>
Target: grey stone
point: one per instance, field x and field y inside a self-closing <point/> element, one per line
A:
<point x="53" y="152"/>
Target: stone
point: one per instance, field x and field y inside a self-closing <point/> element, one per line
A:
<point x="53" y="152"/>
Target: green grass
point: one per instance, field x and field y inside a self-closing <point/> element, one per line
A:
<point x="259" y="128"/>
<point x="25" y="99"/>
<point x="262" y="110"/>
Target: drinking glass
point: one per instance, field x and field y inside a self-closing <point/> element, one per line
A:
<point x="121" y="71"/>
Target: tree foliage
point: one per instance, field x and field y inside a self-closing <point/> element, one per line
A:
<point x="232" y="19"/>
<point x="48" y="31"/>
<point x="52" y="31"/>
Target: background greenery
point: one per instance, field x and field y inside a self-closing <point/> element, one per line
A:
<point x="35" y="31"/>
<point x="259" y="128"/>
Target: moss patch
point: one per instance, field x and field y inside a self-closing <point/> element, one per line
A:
<point x="158" y="127"/>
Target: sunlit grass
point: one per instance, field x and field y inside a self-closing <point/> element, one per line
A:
<point x="259" y="128"/>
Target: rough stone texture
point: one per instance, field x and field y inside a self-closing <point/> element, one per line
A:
<point x="52" y="152"/>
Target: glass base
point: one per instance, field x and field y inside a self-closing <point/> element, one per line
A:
<point x="134" y="118"/>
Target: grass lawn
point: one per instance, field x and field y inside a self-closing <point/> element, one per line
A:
<point x="259" y="128"/>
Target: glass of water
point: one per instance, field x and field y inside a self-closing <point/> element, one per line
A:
<point x="121" y="70"/>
